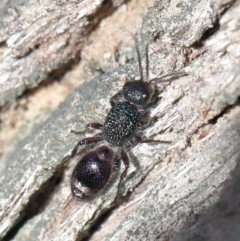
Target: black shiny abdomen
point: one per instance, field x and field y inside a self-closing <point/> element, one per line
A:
<point x="92" y="172"/>
<point x="120" y="123"/>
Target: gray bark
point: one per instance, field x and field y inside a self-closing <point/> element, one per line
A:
<point x="40" y="37"/>
<point x="189" y="186"/>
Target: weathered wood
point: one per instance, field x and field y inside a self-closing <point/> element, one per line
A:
<point x="197" y="198"/>
<point x="41" y="36"/>
<point x="190" y="114"/>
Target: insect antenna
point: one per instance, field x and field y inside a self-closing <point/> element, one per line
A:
<point x="147" y="63"/>
<point x="175" y="74"/>
<point x="139" y="61"/>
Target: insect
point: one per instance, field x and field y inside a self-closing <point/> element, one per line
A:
<point x="122" y="128"/>
<point x="92" y="172"/>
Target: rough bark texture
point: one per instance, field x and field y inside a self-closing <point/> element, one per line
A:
<point x="189" y="188"/>
<point x="41" y="36"/>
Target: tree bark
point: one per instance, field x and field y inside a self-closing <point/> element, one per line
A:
<point x="185" y="190"/>
<point x="40" y="37"/>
